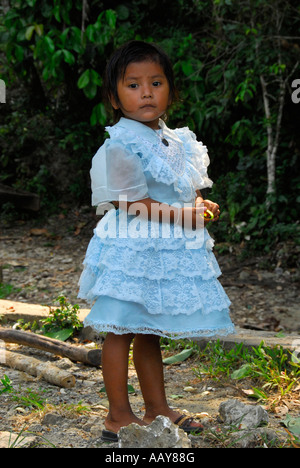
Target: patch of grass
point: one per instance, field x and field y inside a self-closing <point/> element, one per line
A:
<point x="21" y="440"/>
<point x="273" y="373"/>
<point x="25" y="398"/>
<point x="272" y="369"/>
<point x="7" y="289"/>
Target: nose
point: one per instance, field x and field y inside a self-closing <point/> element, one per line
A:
<point x="146" y="92"/>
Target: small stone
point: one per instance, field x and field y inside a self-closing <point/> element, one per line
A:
<point x="190" y="389"/>
<point x="20" y="409"/>
<point x="52" y="419"/>
<point x="88" y="383"/>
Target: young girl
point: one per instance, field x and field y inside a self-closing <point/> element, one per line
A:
<point x="149" y="269"/>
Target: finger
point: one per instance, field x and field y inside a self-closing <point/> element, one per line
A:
<point x="200" y="209"/>
<point x="199" y="204"/>
<point x="217" y="216"/>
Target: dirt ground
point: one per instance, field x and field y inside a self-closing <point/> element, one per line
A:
<point x="42" y="261"/>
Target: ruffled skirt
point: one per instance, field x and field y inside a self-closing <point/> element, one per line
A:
<point x="152" y="278"/>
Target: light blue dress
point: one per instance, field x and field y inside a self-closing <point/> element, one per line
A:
<point x="142" y="276"/>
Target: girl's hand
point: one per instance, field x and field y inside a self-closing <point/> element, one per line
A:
<point x="209" y="205"/>
<point x="191" y="218"/>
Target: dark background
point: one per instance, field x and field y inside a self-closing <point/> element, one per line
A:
<point x="53" y="54"/>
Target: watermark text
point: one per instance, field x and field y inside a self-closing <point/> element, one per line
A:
<point x="296" y="93"/>
<point x="164" y="222"/>
<point x="296" y="350"/>
<point x="2" y="92"/>
<point x="2" y="352"/>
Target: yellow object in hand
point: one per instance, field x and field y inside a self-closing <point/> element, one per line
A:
<point x="208" y="215"/>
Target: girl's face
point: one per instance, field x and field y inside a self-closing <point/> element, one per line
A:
<point x="144" y="93"/>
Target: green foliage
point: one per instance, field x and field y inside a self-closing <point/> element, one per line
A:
<point x="182" y="356"/>
<point x="271" y="367"/>
<point x="6" y="383"/>
<point x="51" y="41"/>
<point x="63" y="321"/>
<point x="54" y="54"/>
<point x="6" y="290"/>
<point x="130" y="389"/>
<point x="26" y="398"/>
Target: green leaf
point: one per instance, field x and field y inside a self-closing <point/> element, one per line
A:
<point x="84" y="79"/>
<point x="258" y="394"/>
<point x="50" y="44"/>
<point x="39" y="29"/>
<point x="185" y="354"/>
<point x="68" y="57"/>
<point x="95" y="77"/>
<point x="187" y="68"/>
<point x="111" y="18"/>
<point x="130" y="389"/>
<point x="98" y="115"/>
<point x="242" y="372"/>
<point x="122" y="12"/>
<point x="29" y="32"/>
<point x="19" y="53"/>
<point x="89" y="81"/>
<point x="90" y="90"/>
<point x="293" y="424"/>
<point x="60" y="334"/>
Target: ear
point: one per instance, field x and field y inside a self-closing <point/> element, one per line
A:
<point x="114" y="103"/>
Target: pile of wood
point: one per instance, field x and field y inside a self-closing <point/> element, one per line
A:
<point x="46" y="370"/>
<point x="21" y="199"/>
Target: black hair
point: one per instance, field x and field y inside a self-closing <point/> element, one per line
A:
<point x="134" y="51"/>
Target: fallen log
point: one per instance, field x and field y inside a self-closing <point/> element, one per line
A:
<point x="45" y="370"/>
<point x="91" y="357"/>
<point x="20" y="198"/>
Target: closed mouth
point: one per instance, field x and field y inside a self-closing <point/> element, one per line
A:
<point x="147" y="105"/>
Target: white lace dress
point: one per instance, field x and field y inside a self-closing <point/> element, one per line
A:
<point x="140" y="275"/>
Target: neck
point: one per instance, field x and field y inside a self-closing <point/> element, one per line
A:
<point x="154" y="125"/>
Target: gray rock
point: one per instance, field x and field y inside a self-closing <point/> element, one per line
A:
<point x="12" y="440"/>
<point x="234" y="412"/>
<point x="52" y="419"/>
<point x="161" y="433"/>
<point x="89" y="334"/>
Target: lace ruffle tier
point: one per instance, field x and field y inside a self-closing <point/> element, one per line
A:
<point x="165" y="281"/>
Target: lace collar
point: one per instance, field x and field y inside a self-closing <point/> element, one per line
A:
<point x="173" y="154"/>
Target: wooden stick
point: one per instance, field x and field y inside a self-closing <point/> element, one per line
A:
<point x="46" y="370"/>
<point x="75" y="353"/>
<point x="22" y="199"/>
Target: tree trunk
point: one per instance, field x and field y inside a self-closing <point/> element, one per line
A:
<point x="75" y="353"/>
<point x="45" y="370"/>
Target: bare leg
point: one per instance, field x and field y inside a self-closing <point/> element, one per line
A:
<point x="148" y="363"/>
<point x="149" y="367"/>
<point x="115" y="374"/>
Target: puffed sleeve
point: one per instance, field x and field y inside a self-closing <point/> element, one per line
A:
<point x="117" y="172"/>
